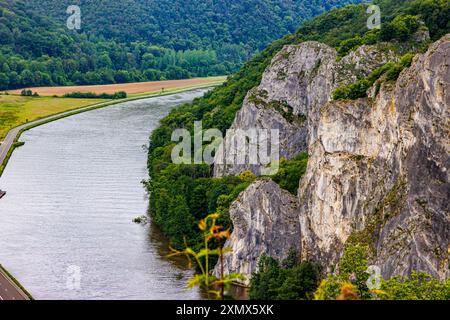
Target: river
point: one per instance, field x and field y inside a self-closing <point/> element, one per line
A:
<point x="73" y="189"/>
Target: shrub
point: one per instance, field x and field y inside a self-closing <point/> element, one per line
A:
<point x="350" y="282"/>
<point x="26" y="93"/>
<point x="290" y="172"/>
<point x="359" y="89"/>
<point x="348" y="45"/>
<point x="289" y="280"/>
<point x="401" y="28"/>
<point x="92" y="95"/>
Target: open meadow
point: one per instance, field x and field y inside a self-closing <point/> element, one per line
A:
<point x="16" y="110"/>
<point x="132" y="89"/>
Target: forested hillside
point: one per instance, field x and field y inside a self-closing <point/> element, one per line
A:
<point x="182" y="194"/>
<point x="131" y="40"/>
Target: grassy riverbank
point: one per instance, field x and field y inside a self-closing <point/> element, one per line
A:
<point x="18" y="110"/>
<point x="95" y="105"/>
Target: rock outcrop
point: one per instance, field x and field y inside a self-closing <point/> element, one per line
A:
<point x="265" y="222"/>
<point x="294" y="87"/>
<point x="378" y="171"/>
<point x="379" y="174"/>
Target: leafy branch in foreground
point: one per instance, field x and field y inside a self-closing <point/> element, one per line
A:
<point x="213" y="234"/>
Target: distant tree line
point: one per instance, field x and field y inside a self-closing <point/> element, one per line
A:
<point x="92" y="95"/>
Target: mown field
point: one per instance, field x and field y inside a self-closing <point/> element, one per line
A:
<point x="16" y="110"/>
<point x="132" y="89"/>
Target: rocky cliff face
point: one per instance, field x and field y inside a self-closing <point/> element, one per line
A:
<point x="378" y="171"/>
<point x="294" y="87"/>
<point x="265" y="222"/>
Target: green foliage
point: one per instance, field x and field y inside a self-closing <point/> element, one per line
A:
<point x="92" y="95"/>
<point x="27" y="93"/>
<point x="352" y="91"/>
<point x="390" y="70"/>
<point x="181" y="194"/>
<point x="349" y="44"/>
<point x="420" y="286"/>
<point x="290" y="172"/>
<point x="211" y="232"/>
<point x="289" y="281"/>
<point x="139" y="40"/>
<point x="401" y="28"/>
<point x="350" y="282"/>
<point x="353" y="266"/>
<point x="434" y="13"/>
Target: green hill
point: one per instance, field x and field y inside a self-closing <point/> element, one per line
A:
<point x="131" y="40"/>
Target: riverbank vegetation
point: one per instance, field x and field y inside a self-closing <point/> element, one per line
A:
<point x="213" y="239"/>
<point x="92" y="95"/>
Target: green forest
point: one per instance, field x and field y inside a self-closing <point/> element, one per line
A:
<point x="183" y="194"/>
<point x="134" y="41"/>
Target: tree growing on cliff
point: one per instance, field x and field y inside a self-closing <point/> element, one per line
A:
<point x="288" y="280"/>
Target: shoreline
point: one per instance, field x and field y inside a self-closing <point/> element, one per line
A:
<point x="9" y="279"/>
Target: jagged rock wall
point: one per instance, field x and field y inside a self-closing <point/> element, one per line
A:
<point x="298" y="82"/>
<point x="378" y="174"/>
<point x="265" y="222"/>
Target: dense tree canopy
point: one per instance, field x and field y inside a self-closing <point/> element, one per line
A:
<point x="139" y="40"/>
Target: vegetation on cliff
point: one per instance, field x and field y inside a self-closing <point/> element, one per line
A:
<point x="288" y="280"/>
<point x="353" y="279"/>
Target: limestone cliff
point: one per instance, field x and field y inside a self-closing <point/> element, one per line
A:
<point x="294" y="87"/>
<point x="258" y="222"/>
<point x="378" y="171"/>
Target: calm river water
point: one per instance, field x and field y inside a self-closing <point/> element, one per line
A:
<point x="66" y="229"/>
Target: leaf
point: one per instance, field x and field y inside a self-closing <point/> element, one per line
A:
<point x="205" y="252"/>
<point x="195" y="281"/>
<point x="214" y="216"/>
<point x="219" y="235"/>
<point x="202" y="225"/>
